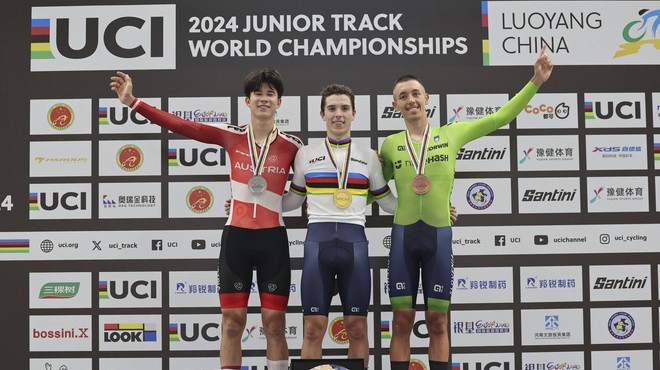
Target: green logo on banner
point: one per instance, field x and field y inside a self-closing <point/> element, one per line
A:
<point x="59" y="290"/>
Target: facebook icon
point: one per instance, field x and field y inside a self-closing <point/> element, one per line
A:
<point x="500" y="240"/>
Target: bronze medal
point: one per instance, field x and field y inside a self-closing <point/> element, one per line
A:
<point x="420" y="184"/>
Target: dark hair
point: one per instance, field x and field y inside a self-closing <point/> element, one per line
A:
<point x="406" y="78"/>
<point x="256" y="78"/>
<point x="337" y="89"/>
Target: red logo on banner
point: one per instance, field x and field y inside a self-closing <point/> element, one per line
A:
<point x="337" y="331"/>
<point x="199" y="199"/>
<point x="60" y="116"/>
<point x="129" y="157"/>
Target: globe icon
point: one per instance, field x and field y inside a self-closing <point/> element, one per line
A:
<point x="387" y="242"/>
<point x="47" y="246"/>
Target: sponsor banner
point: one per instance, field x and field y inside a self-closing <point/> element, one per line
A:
<point x="480" y="328"/>
<point x="618" y="194"/>
<point x="493" y="361"/>
<point x="63" y="333"/>
<point x="418" y="339"/>
<point x="60" y="363"/>
<point x="551" y="284"/>
<point x="620" y="283"/>
<point x="621" y="325"/>
<point x="130" y="333"/>
<point x="193" y="289"/>
<point x="616" y="152"/>
<point x="130" y="158"/>
<point x="548" y="153"/>
<point x="623" y="359"/>
<point x="287" y="116"/>
<point x="624" y="32"/>
<point x="189" y="157"/>
<point x="60" y="158"/>
<point x="488" y="153"/>
<point x="133" y="363"/>
<point x="417" y="361"/>
<point x="336" y="335"/>
<point x="60" y="116"/>
<point x="549" y="195"/>
<point x="549" y="111"/>
<point x="297" y="241"/>
<point x="130" y="200"/>
<point x="614" y="110"/>
<point x="194" y="332"/>
<point x="254" y="337"/>
<point x="60" y="290"/>
<point x="552" y="360"/>
<point x="655" y="110"/>
<point x="198" y="199"/>
<point x="210" y="111"/>
<point x="130" y="289"/>
<point x="552" y="327"/>
<point x="482" y="196"/>
<point x="483" y="285"/>
<point x="361" y="122"/>
<point x="96" y="38"/>
<point x="656" y="152"/>
<point x="471" y="107"/>
<point x="116" y="118"/>
<point x="391" y="119"/>
<point x="60" y="201"/>
<point x="206" y="363"/>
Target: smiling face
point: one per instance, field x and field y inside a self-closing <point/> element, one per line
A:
<point x="410" y="99"/>
<point x="338" y="115"/>
<point x="264" y="102"/>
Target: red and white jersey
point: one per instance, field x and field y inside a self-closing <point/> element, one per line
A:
<point x="247" y="211"/>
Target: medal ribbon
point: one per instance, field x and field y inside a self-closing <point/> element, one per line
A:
<point x="419" y="162"/>
<point x="342" y="175"/>
<point x="258" y="166"/>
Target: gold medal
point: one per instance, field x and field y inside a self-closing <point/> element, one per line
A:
<point x="342" y="198"/>
<point x="420" y="184"/>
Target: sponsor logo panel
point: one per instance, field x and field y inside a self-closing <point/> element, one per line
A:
<point x="551" y="284"/>
<point x="130" y="289"/>
<point x="549" y="195"/>
<point x="483" y="285"/>
<point x="116" y="118"/>
<point x="548" y="153"/>
<point x="60" y="116"/>
<point x="60" y="333"/>
<point x="130" y="363"/>
<point x="482" y="328"/>
<point x="488" y="153"/>
<point x="129" y="158"/>
<point x="193" y="289"/>
<point x="194" y="332"/>
<point x="60" y="159"/>
<point x="86" y="38"/>
<point x="206" y="110"/>
<point x="188" y="157"/>
<point x="549" y="111"/>
<point x="60" y="290"/>
<point x="494" y="361"/>
<point x="199" y="199"/>
<point x="618" y="194"/>
<point x="130" y="200"/>
<point x="614" y="110"/>
<point x="655" y="111"/>
<point x="482" y="196"/>
<point x="621" y="325"/>
<point x="622" y="359"/>
<point x="130" y="333"/>
<point x="552" y="327"/>
<point x="60" y="363"/>
<point x="254" y="337"/>
<point x="552" y="360"/>
<point x="60" y="201"/>
<point x="620" y="283"/>
<point x="517" y="31"/>
<point x="470" y="107"/>
<point x="616" y="152"/>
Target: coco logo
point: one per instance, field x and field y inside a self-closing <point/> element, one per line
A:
<point x="192" y="332"/>
<point x="96" y="37"/>
<point x="208" y="157"/>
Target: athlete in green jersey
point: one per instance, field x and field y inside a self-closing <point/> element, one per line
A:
<point x="422" y="161"/>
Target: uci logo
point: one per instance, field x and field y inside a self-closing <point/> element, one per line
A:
<point x="103" y="37"/>
<point x="208" y="157"/>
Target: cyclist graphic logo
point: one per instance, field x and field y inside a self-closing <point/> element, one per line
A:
<point x="639" y="32"/>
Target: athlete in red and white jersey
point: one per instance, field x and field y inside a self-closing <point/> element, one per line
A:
<point x="254" y="237"/>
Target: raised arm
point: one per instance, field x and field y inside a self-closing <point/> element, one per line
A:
<point x="123" y="86"/>
<point x="542" y="68"/>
